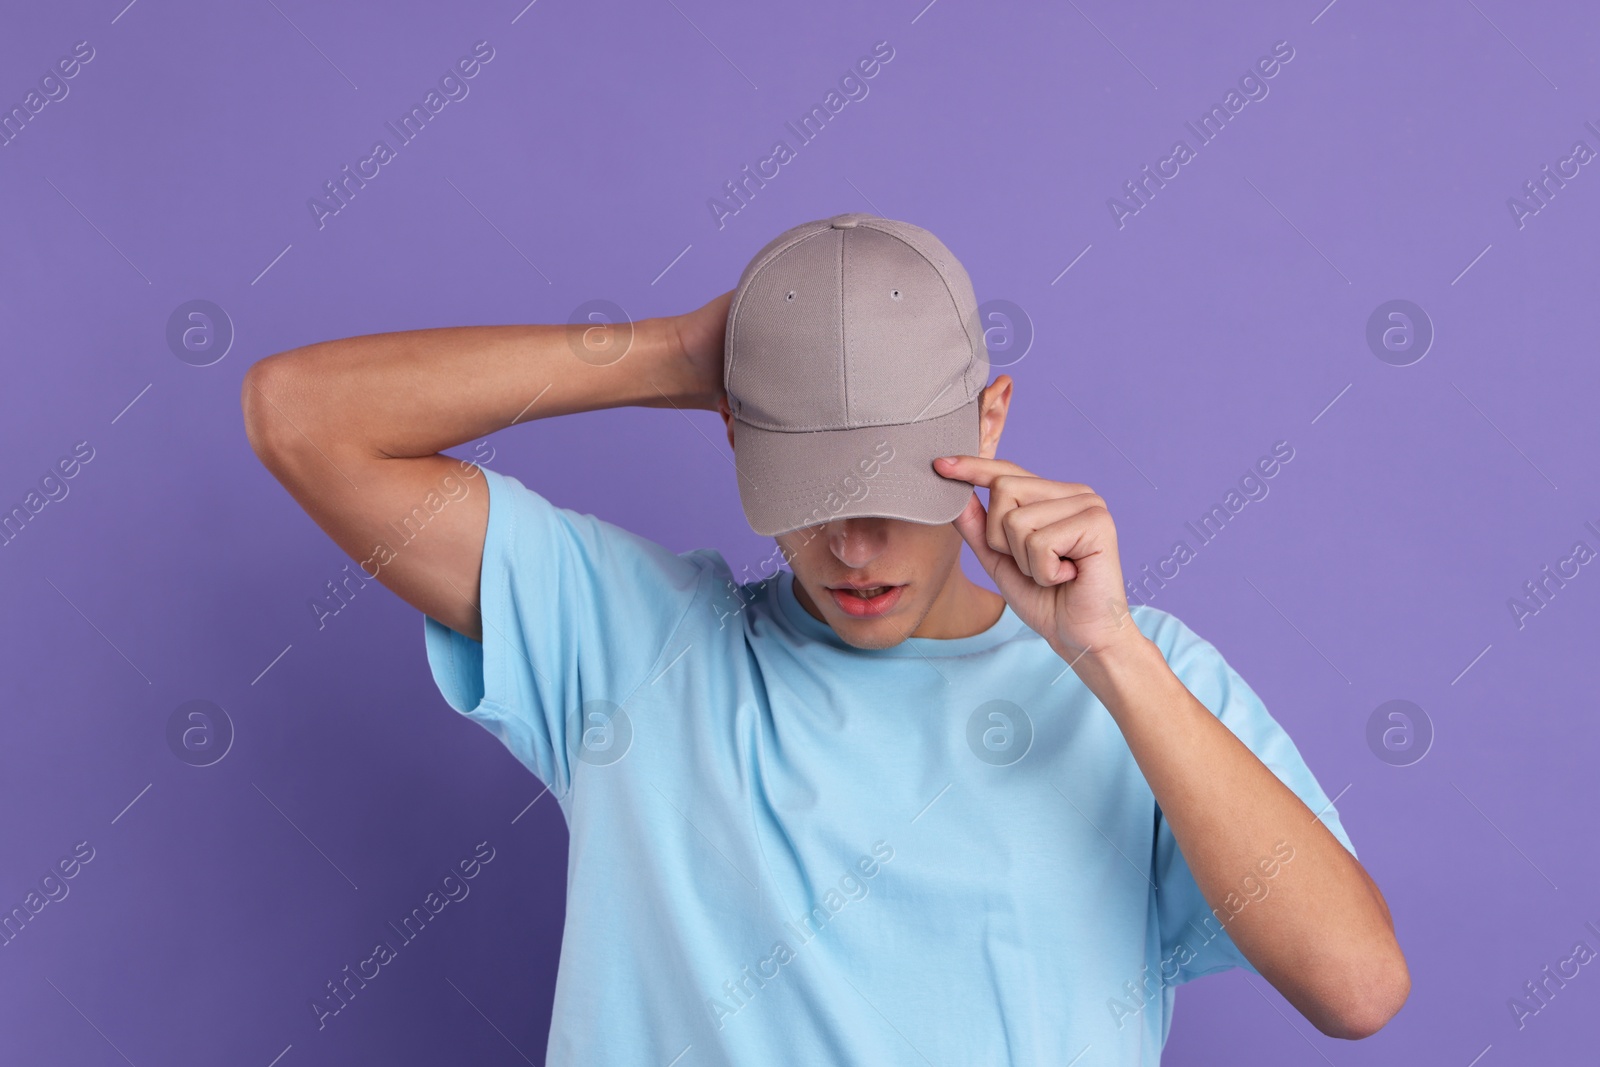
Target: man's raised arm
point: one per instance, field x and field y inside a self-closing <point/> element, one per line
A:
<point x="353" y="428"/>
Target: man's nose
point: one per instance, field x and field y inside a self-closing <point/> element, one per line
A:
<point x="857" y="542"/>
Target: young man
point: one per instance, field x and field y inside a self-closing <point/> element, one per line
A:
<point x="864" y="811"/>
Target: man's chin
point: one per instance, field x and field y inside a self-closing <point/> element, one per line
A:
<point x="882" y="631"/>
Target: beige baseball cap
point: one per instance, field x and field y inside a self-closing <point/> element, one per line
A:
<point x="854" y="356"/>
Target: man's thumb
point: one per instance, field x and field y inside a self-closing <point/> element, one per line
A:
<point x="973" y="525"/>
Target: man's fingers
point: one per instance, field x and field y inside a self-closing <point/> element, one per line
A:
<point x="1016" y="484"/>
<point x="1010" y="523"/>
<point x="1034" y="531"/>
<point x="976" y="469"/>
<point x="1054" y="551"/>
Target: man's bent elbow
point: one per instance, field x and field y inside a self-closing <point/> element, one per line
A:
<point x="264" y="422"/>
<point x="1371" y="1002"/>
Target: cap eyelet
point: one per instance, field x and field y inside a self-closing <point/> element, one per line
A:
<point x="790" y="296"/>
<point x="894" y="294"/>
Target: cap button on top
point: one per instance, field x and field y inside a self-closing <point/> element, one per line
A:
<point x="842" y="222"/>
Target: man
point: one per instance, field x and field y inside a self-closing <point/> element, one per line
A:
<point x="863" y="811"/>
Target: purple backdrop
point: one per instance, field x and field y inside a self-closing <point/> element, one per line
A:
<point x="1163" y="339"/>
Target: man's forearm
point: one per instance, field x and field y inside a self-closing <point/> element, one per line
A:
<point x="1322" y="934"/>
<point x="418" y="392"/>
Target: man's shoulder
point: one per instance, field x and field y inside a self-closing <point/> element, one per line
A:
<point x="523" y="510"/>
<point x="1170" y="633"/>
<point x="1203" y="669"/>
<point x="1182" y="648"/>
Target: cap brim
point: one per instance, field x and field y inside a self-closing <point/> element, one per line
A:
<point x="790" y="480"/>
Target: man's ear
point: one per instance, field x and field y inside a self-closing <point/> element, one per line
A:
<point x="727" y="416"/>
<point x="993" y="404"/>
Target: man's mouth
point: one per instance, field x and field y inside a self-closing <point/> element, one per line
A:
<point x="863" y="601"/>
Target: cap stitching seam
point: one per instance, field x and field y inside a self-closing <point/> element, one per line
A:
<point x="866" y="425"/>
<point x="949" y="292"/>
<point x="844" y="359"/>
<point x="743" y="290"/>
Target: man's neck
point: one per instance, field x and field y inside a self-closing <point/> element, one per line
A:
<point x="962" y="608"/>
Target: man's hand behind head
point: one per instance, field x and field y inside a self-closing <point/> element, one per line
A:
<point x="700" y="338"/>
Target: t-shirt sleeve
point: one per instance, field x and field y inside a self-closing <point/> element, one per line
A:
<point x="575" y="613"/>
<point x="1193" y="938"/>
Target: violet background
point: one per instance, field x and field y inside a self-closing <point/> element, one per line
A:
<point x="1227" y="315"/>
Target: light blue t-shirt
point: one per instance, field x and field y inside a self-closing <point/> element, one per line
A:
<point x="785" y="850"/>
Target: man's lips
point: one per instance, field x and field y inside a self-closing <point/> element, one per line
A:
<point x="862" y="600"/>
